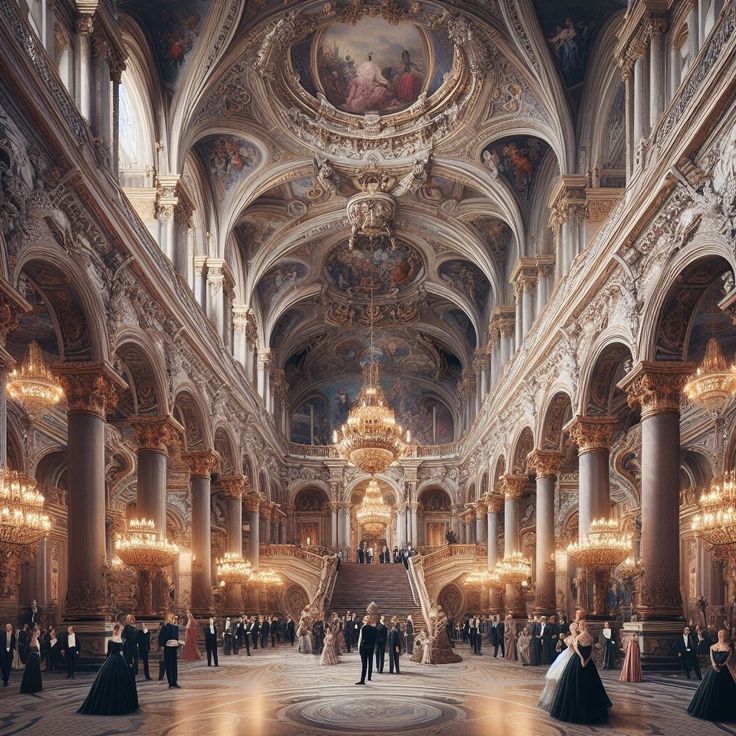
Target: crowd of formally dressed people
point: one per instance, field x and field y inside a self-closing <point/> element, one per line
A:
<point x="368" y="554"/>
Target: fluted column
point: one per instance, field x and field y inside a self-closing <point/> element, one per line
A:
<point x="641" y="103"/>
<point x="346" y="508"/>
<point x="83" y="71"/>
<point x="693" y="33"/>
<point x="546" y="465"/>
<point x="91" y="394"/>
<point x="265" y="512"/>
<point x="334" y="511"/>
<point x="240" y="322"/>
<point x="519" y="320"/>
<point x="413" y="506"/>
<point x="216" y="293"/>
<point x="166" y="204"/>
<point x="252" y="503"/>
<point x="401" y="525"/>
<point x="656" y="387"/>
<point x="513" y="489"/>
<point x="593" y="436"/>
<point x="264" y="369"/>
<point x="657" y="27"/>
<point x="506" y="329"/>
<point x="201" y="464"/>
<point x="154" y="436"/>
<point x="494" y="504"/>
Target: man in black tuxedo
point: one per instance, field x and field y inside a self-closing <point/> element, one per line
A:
<point x="254" y="629"/>
<point x="7" y="647"/>
<point x="291" y="632"/>
<point x="361" y="555"/>
<point x="550" y="637"/>
<point x="381" y="638"/>
<point x="366" y="646"/>
<point x="34" y="615"/>
<point x="265" y="630"/>
<point x="69" y="650"/>
<point x="170" y="634"/>
<point x="244" y="635"/>
<point x="500" y="632"/>
<point x="274" y="631"/>
<point x="144" y="646"/>
<point x="394" y="646"/>
<point x="130" y="643"/>
<point x="687" y="652"/>
<point x="210" y="642"/>
<point x="238" y="635"/>
<point x="409" y="635"/>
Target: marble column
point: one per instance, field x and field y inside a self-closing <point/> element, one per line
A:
<point x="641" y="103"/>
<point x="513" y="489"/>
<point x="201" y="464"/>
<point x="656" y="68"/>
<point x="493" y="345"/>
<point x="265" y="512"/>
<point x="507" y="344"/>
<point x="334" y="511"/>
<point x="494" y="504"/>
<point x="413" y="506"/>
<point x="519" y="321"/>
<point x="154" y="436"/>
<point x="401" y="525"/>
<point x="200" y="281"/>
<point x="693" y="33"/>
<point x="83" y="62"/>
<point x="527" y="304"/>
<point x="264" y="368"/>
<point x="546" y="465"/>
<point x="91" y="394"/>
<point x="346" y="541"/>
<point x="252" y="504"/>
<point x="232" y="487"/>
<point x="593" y="436"/>
<point x="216" y="293"/>
<point x="655" y="387"/>
<point x="481" y="524"/>
<point x="240" y="321"/>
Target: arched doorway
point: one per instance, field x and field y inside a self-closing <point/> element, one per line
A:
<point x="372" y="534"/>
<point x="434" y="517"/>
<point x="312" y="517"/>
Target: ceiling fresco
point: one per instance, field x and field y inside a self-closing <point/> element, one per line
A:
<point x="516" y="158"/>
<point x="174" y="27"/>
<point x="228" y="160"/>
<point x="468" y="279"/>
<point x="372" y="65"/>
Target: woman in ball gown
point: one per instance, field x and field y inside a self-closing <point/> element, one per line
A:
<point x="608" y="642"/>
<point x="227" y="638"/>
<point x="631" y="671"/>
<point x="189" y="652"/>
<point x="330" y="655"/>
<point x="427" y="650"/>
<point x="341" y="646"/>
<point x="113" y="693"/>
<point x="304" y="635"/>
<point x="554" y="673"/>
<point x="509" y="638"/>
<point x="522" y="646"/>
<point x="581" y="697"/>
<point x="715" y="698"/>
<point x="31" y="682"/>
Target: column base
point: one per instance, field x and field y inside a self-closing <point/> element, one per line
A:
<point x="657" y="642"/>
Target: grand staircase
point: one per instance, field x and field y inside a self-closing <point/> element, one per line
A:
<point x="387" y="585"/>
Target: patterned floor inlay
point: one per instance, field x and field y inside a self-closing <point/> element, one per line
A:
<point x="280" y="693"/>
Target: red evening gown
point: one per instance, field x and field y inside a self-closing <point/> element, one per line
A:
<point x="189" y="652"/>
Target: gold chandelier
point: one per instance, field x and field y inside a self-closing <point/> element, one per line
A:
<point x="716" y="520"/>
<point x="34" y="385"/>
<point x="145" y="550"/>
<point x="604" y="546"/>
<point x="514" y="569"/>
<point x="232" y="569"/>
<point x="373" y="509"/>
<point x="478" y="578"/>
<point x="714" y="382"/>
<point x="22" y="520"/>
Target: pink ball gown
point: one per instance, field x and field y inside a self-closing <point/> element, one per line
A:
<point x="190" y="653"/>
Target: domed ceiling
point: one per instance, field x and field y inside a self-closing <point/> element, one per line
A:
<point x="293" y="121"/>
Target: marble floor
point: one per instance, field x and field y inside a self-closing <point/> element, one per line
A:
<point x="281" y="693"/>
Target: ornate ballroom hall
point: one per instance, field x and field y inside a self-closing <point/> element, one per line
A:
<point x="290" y="287"/>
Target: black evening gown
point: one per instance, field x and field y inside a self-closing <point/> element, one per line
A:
<point x="715" y="698"/>
<point x="31" y="682"/>
<point x="113" y="693"/>
<point x="609" y="654"/>
<point x="581" y="697"/>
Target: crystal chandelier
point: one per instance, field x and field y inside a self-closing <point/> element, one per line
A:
<point x="514" y="569"/>
<point x="373" y="509"/>
<point x="22" y="520"/>
<point x="232" y="569"/>
<point x="716" y="520"/>
<point x="714" y="382"/>
<point x="145" y="550"/>
<point x="604" y="546"/>
<point x="34" y="385"/>
<point x="478" y="578"/>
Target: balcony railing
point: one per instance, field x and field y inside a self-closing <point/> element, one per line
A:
<point x="463" y="551"/>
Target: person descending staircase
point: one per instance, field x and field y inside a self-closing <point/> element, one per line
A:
<point x="387" y="585"/>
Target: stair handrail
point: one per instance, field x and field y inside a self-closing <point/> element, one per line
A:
<point x="415" y="571"/>
<point x="291" y="550"/>
<point x="327" y="577"/>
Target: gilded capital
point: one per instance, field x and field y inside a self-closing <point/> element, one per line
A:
<point x="480" y="511"/>
<point x="545" y="463"/>
<point x="656" y="386"/>
<point x="494" y="502"/>
<point x="162" y="434"/>
<point x="233" y="486"/>
<point x="513" y="486"/>
<point x="252" y="503"/>
<point x="90" y="388"/>
<point x="201" y="463"/>
<point x="592" y="433"/>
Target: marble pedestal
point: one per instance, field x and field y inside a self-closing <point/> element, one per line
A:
<point x="657" y="642"/>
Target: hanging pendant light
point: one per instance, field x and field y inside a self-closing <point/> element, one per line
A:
<point x="33" y="384"/>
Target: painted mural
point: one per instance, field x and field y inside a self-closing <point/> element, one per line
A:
<point x="384" y="270"/>
<point x="464" y="323"/>
<point x="286" y="324"/>
<point x="516" y="158"/>
<point x="468" y="279"/>
<point x="571" y="27"/>
<point x="278" y="280"/>
<point x="373" y="65"/>
<point x="175" y="26"/>
<point x="228" y="159"/>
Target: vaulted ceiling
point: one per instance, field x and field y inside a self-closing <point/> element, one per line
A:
<point x="278" y="112"/>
